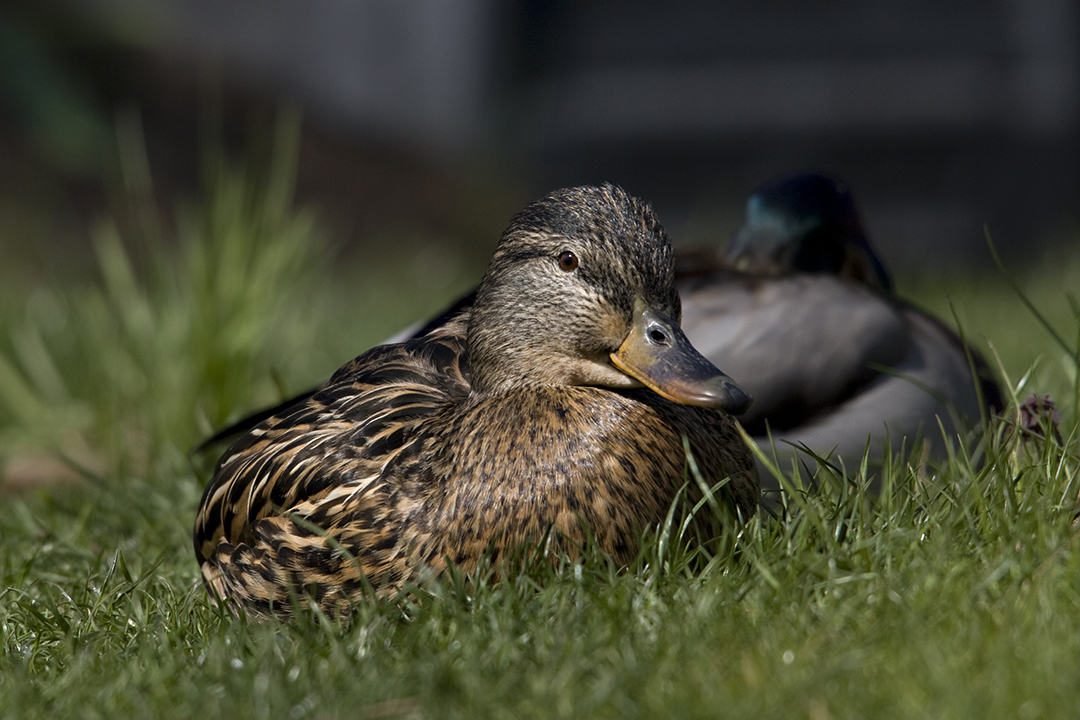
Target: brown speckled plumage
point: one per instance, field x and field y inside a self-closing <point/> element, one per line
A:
<point x="485" y="434"/>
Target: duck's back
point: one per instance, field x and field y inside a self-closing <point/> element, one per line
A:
<point x="287" y="482"/>
<point x="932" y="384"/>
<point x="836" y="367"/>
<point x="800" y="344"/>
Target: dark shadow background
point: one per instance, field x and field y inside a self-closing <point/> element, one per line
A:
<point x="428" y="123"/>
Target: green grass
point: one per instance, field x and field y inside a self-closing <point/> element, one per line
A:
<point x="956" y="595"/>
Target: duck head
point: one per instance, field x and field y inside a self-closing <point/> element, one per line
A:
<point x="581" y="291"/>
<point x="806" y="224"/>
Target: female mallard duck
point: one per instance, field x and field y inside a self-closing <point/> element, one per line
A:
<point x="801" y="311"/>
<point x="526" y="416"/>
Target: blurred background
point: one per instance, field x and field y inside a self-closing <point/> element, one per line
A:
<point x="428" y="123"/>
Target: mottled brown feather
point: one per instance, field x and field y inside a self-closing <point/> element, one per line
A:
<point x="398" y="464"/>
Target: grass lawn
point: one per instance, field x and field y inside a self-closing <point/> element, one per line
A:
<point x="955" y="595"/>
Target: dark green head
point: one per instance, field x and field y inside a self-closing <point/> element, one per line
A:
<point x="581" y="291"/>
<point x="806" y="224"/>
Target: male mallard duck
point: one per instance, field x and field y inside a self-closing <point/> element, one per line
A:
<point x="801" y="311"/>
<point x="526" y="416"/>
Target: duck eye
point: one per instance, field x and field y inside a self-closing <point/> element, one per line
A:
<point x="568" y="261"/>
